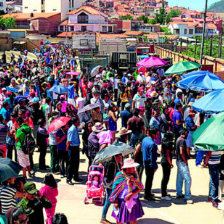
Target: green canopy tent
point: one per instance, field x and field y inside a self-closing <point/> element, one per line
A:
<point x="210" y="135"/>
<point x="181" y="67"/>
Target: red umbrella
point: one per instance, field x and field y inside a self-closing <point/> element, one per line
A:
<point x="58" y="123"/>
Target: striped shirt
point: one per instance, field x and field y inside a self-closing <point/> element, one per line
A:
<point x="7" y="198"/>
<point x="215" y="158"/>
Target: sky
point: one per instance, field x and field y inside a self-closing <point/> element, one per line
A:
<point x="198" y="5"/>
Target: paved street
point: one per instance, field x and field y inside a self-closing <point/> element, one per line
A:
<point x="70" y="200"/>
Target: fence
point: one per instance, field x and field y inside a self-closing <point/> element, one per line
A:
<point x="218" y="63"/>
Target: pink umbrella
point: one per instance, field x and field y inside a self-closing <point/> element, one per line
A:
<point x="152" y="62"/>
<point x="58" y="123"/>
<point x="46" y="54"/>
<point x="73" y="73"/>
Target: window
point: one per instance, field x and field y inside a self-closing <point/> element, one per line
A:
<point x="34" y="10"/>
<point x="191" y="31"/>
<point x="84" y="42"/>
<point x="62" y="28"/>
<point x="104" y="29"/>
<point x="71" y="28"/>
<point x="54" y="10"/>
<point x="185" y="31"/>
<point x="1" y="4"/>
<point x="176" y="31"/>
<point x="26" y="7"/>
<point x="82" y="18"/>
<point x="83" y="28"/>
<point x="110" y="29"/>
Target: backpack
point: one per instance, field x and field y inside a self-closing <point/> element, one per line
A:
<point x="28" y="144"/>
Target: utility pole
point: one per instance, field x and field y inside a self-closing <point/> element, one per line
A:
<point x="203" y="34"/>
<point x="211" y="45"/>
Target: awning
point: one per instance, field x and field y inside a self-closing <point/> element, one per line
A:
<point x="19" y="42"/>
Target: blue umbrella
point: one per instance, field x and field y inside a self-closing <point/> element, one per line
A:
<point x="212" y="102"/>
<point x="201" y="81"/>
<point x="8" y="169"/>
<point x="59" y="89"/>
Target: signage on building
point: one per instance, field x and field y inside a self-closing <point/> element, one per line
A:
<point x="84" y="41"/>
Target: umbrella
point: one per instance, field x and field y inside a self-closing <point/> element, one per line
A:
<point x="115" y="149"/>
<point x="89" y="107"/>
<point x="58" y="123"/>
<point x="59" y="89"/>
<point x="152" y="62"/>
<point x="212" y="102"/>
<point x="201" y="81"/>
<point x="8" y="169"/>
<point x="73" y="73"/>
<point x="46" y="54"/>
<point x="95" y="70"/>
<point x="182" y="67"/>
<point x="210" y="135"/>
<point x="142" y="69"/>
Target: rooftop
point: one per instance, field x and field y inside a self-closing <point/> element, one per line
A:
<point x="27" y="16"/>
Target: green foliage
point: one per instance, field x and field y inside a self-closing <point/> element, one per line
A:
<point x="162" y="17"/>
<point x="127" y="17"/>
<point x="144" y="18"/>
<point x="217" y="6"/>
<point x="6" y="23"/>
<point x="174" y="13"/>
<point x="167" y="31"/>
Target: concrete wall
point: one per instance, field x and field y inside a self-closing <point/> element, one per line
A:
<point x="5" y="41"/>
<point x="31" y="6"/>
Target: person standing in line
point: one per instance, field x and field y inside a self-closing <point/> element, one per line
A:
<point x="42" y="136"/>
<point x="72" y="147"/>
<point x="149" y="153"/>
<point x="183" y="172"/>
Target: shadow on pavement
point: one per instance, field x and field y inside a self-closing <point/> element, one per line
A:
<point x="154" y="221"/>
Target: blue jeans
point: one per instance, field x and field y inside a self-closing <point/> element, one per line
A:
<point x="183" y="173"/>
<point x="214" y="171"/>
<point x="134" y="139"/>
<point x="107" y="203"/>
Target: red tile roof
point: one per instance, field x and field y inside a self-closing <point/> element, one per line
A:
<point x="27" y="16"/>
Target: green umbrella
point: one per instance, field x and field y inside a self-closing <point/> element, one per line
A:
<point x="210" y="135"/>
<point x="182" y="67"/>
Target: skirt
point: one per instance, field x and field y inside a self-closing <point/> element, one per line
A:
<point x="124" y="216"/>
<point x="23" y="159"/>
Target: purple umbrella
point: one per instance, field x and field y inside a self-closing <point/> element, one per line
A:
<point x="152" y="62"/>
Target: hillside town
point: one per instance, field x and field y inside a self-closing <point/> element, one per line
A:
<point x="111" y="111"/>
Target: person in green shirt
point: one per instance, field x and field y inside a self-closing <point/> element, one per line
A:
<point x="23" y="158"/>
<point x="33" y="204"/>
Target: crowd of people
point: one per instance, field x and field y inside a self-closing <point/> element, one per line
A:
<point x="144" y="109"/>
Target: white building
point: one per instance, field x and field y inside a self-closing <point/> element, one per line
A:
<point x="3" y="5"/>
<point x="87" y="18"/>
<point x="62" y="6"/>
<point x="191" y="29"/>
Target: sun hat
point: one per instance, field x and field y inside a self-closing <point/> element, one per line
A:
<point x="98" y="127"/>
<point x="123" y="131"/>
<point x="129" y="163"/>
<point x="30" y="188"/>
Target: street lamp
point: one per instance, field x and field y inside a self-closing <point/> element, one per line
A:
<point x="203" y="33"/>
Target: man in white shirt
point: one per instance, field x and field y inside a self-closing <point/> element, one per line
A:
<point x="139" y="99"/>
<point x="141" y="78"/>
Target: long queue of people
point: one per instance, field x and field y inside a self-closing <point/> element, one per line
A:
<point x="152" y="110"/>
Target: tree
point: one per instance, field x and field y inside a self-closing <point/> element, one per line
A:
<point x="167" y="31"/>
<point x="162" y="17"/>
<point x="174" y="13"/>
<point x="6" y="23"/>
<point x="127" y="17"/>
<point x="144" y="18"/>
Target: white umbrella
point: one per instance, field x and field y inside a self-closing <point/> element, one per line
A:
<point x="95" y="70"/>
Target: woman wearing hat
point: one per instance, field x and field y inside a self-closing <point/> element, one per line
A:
<point x="127" y="206"/>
